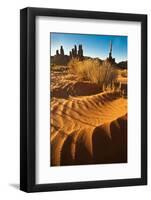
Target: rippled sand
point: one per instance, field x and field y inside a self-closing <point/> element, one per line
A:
<point x="89" y="129"/>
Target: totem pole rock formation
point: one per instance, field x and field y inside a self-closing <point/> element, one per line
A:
<point x="61" y="51"/>
<point x="110" y="59"/>
<point x="62" y="59"/>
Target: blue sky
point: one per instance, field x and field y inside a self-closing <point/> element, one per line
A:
<point x="93" y="45"/>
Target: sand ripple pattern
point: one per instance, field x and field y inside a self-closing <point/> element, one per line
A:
<point x="89" y="130"/>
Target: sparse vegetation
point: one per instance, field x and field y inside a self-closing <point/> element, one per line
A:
<point x="94" y="71"/>
<point x="124" y="73"/>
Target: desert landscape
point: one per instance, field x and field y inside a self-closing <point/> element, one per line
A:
<point x="88" y="114"/>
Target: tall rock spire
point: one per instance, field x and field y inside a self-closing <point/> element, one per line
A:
<point x="75" y="50"/>
<point x="61" y="51"/>
<point x="80" y="51"/>
<point x="110" y="53"/>
<point x="111" y="46"/>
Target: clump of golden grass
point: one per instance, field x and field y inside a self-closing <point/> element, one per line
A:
<point x="124" y="73"/>
<point x="95" y="71"/>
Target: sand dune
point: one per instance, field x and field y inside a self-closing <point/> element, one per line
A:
<point x="89" y="129"/>
<point x="66" y="88"/>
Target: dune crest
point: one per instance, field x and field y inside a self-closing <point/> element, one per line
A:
<point x="73" y="88"/>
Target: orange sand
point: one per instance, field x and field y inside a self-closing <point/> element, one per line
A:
<point x="89" y="129"/>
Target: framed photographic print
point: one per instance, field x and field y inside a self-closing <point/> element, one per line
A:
<point x="83" y="99"/>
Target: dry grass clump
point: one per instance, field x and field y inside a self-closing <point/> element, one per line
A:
<point x="124" y="73"/>
<point x="94" y="71"/>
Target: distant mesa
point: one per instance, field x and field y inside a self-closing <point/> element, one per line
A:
<point x="61" y="59"/>
<point x="122" y="65"/>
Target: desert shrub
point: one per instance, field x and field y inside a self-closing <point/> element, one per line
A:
<point x="92" y="70"/>
<point x="124" y="73"/>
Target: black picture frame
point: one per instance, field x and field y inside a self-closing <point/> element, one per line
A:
<point x="28" y="98"/>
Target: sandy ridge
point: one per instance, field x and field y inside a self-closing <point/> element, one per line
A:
<point x="82" y="127"/>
